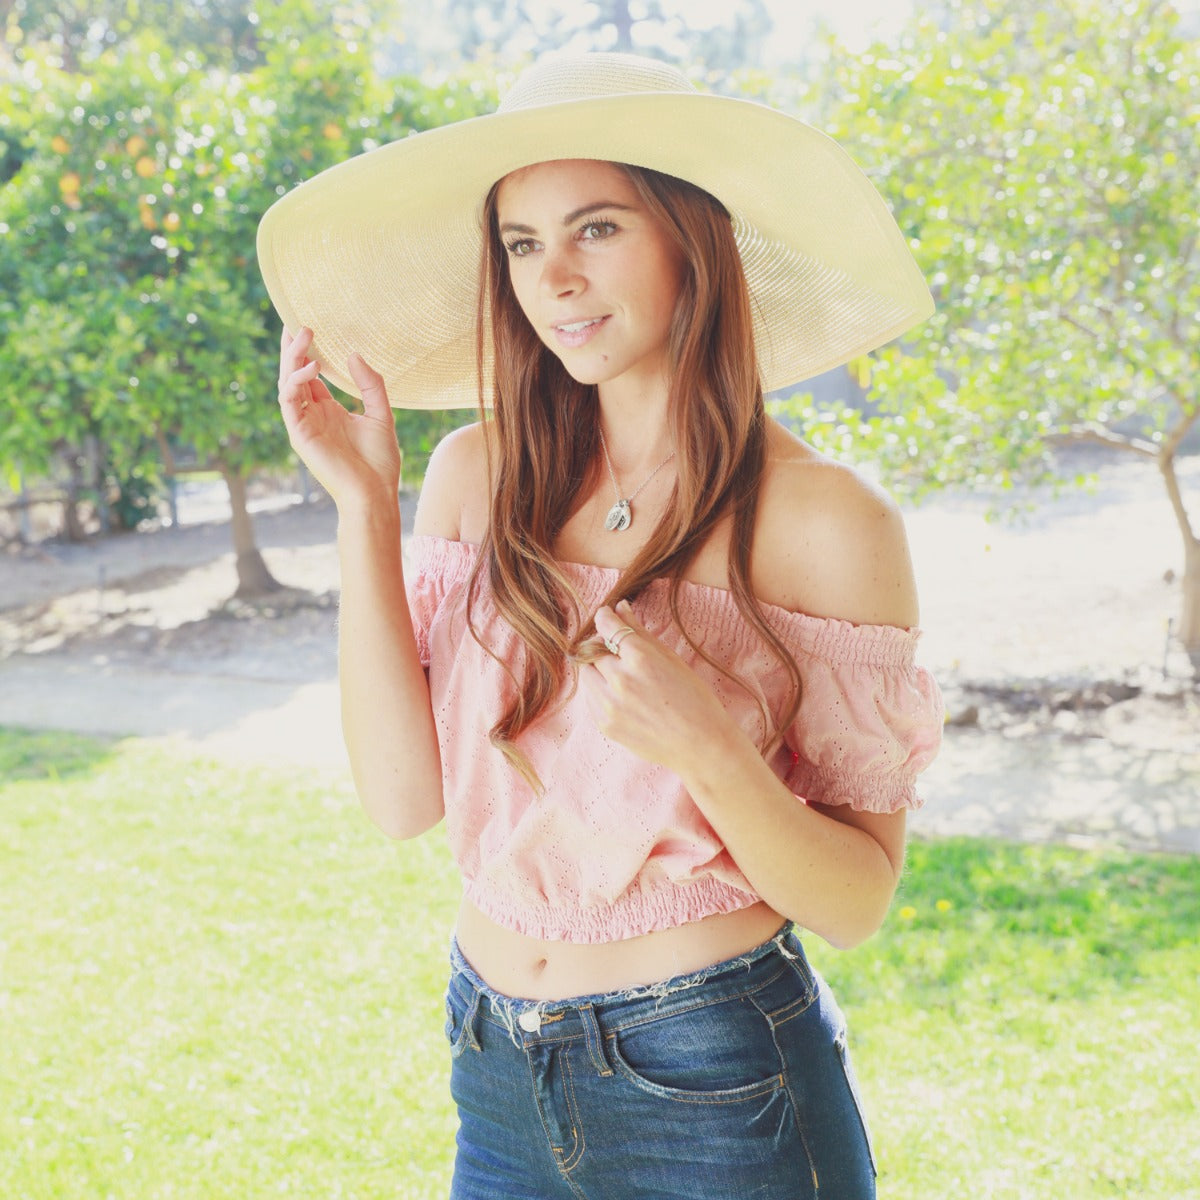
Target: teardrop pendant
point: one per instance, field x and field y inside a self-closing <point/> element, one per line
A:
<point x="620" y="517"/>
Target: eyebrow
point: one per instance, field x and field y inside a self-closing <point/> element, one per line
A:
<point x="571" y="217"/>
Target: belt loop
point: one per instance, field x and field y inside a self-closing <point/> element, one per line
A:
<point x="780" y="938"/>
<point x="595" y="1042"/>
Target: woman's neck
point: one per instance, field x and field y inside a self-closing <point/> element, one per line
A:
<point x="636" y="427"/>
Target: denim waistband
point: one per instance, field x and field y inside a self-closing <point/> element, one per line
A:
<point x="532" y="1020"/>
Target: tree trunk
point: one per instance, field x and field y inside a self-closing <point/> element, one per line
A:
<point x="1189" y="629"/>
<point x="254" y="579"/>
<point x="73" y="526"/>
<point x="622" y="19"/>
<point x="1189" y="624"/>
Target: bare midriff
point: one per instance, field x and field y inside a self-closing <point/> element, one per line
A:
<point x="531" y="969"/>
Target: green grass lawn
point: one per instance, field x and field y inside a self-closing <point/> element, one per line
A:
<point x="217" y="982"/>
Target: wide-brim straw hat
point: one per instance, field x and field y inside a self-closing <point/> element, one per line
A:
<point x="380" y="254"/>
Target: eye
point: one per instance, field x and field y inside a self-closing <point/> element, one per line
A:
<point x="596" y="228"/>
<point x="519" y="247"/>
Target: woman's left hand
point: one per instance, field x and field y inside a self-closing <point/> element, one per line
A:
<point x="649" y="700"/>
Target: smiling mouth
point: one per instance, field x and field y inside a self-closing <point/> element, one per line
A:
<point x="578" y="326"/>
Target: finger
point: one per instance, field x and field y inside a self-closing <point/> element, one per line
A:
<point x="371" y="386"/>
<point x="597" y="696"/>
<point x="292" y="350"/>
<point x="295" y="387"/>
<point x="303" y="374"/>
<point x="609" y="622"/>
<point x="625" y="614"/>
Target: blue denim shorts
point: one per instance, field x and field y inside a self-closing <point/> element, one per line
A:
<point x="733" y="1082"/>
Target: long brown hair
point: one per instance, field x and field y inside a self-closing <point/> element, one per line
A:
<point x="547" y="453"/>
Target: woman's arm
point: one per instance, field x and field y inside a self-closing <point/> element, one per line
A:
<point x="833" y="546"/>
<point x="387" y="719"/>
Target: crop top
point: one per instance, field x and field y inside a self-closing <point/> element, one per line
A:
<point x="613" y="846"/>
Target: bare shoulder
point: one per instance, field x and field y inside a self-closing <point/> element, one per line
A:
<point x="828" y="541"/>
<point x="455" y="495"/>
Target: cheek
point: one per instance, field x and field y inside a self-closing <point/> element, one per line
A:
<point x="520" y="290"/>
<point x="669" y="284"/>
<point x="523" y="294"/>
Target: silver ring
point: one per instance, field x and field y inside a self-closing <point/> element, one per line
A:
<point x="613" y="644"/>
<point x="303" y="405"/>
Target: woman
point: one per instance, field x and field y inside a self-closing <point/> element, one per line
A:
<point x="654" y="663"/>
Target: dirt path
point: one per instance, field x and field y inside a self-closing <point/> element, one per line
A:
<point x="1072" y="719"/>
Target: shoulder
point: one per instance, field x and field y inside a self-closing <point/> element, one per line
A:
<point x="828" y="541"/>
<point x="455" y="494"/>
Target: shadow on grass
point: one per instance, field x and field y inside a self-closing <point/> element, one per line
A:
<point x="48" y="756"/>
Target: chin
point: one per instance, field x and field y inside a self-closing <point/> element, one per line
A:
<point x="587" y="374"/>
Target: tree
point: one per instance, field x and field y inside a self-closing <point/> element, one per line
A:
<point x="133" y="319"/>
<point x="1043" y="161"/>
<point x="222" y="32"/>
<point x="499" y="30"/>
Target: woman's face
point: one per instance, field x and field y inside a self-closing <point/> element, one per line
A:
<point x="596" y="275"/>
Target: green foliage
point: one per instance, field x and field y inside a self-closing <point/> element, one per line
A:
<point x="1042" y="160"/>
<point x="133" y="316"/>
<point x="77" y="31"/>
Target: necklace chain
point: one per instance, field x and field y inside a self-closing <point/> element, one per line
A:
<point x="620" y="516"/>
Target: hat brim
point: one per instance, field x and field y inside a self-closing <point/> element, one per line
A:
<point x="380" y="254"/>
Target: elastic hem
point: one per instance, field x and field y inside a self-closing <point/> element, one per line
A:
<point x="630" y="915"/>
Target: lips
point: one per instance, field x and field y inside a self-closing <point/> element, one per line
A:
<point x="576" y="333"/>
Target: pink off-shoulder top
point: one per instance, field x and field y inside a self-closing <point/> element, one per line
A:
<point x="613" y="846"/>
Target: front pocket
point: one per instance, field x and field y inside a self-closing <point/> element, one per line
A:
<point x="717" y="1053"/>
<point x="460" y="1023"/>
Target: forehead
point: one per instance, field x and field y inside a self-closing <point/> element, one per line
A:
<point x="568" y="182"/>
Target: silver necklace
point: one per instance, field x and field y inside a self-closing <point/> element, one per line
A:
<point x="620" y="516"/>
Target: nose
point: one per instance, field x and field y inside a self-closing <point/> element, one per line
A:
<point x="560" y="273"/>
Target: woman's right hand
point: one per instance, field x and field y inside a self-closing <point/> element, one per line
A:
<point x="354" y="456"/>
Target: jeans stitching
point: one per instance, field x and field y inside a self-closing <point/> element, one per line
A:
<point x="577" y="1131"/>
<point x="717" y="1097"/>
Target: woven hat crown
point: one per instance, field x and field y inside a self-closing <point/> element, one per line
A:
<point x="561" y="80"/>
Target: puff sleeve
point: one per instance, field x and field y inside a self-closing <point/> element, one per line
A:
<point x="870" y="720"/>
<point x="432" y="568"/>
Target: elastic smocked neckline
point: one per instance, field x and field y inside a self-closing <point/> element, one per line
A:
<point x="713" y="609"/>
